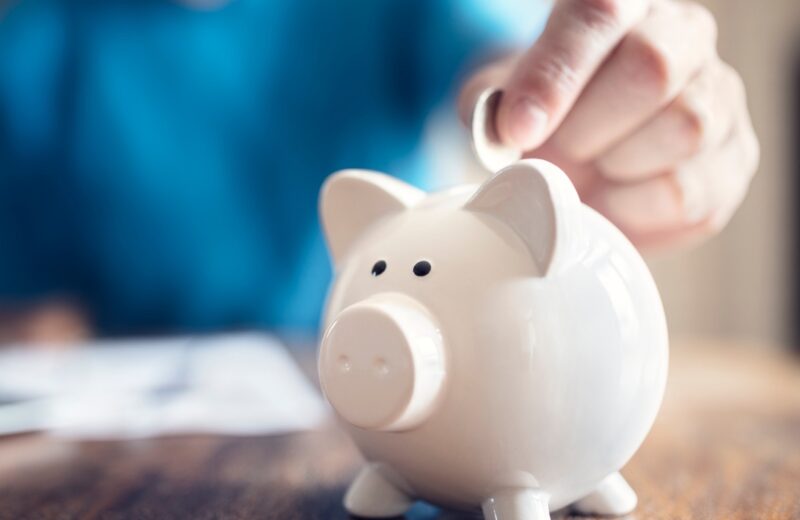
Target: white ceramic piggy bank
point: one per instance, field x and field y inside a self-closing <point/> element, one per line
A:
<point x="499" y="347"/>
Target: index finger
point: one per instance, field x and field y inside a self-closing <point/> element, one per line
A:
<point x="548" y="79"/>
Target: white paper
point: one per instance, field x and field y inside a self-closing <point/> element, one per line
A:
<point x="242" y="384"/>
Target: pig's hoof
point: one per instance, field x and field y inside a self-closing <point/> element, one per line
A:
<point x="517" y="504"/>
<point x="372" y="496"/>
<point x="613" y="497"/>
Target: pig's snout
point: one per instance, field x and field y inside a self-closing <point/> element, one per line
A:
<point x="382" y="363"/>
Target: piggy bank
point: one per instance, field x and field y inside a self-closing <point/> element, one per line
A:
<point x="499" y="347"/>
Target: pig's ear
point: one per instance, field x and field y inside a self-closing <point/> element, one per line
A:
<point x="539" y="203"/>
<point x="353" y="200"/>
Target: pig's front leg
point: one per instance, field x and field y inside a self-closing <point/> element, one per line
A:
<point x="613" y="496"/>
<point x="372" y="496"/>
<point x="517" y="504"/>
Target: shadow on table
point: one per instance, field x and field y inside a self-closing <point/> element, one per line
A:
<point x="424" y="511"/>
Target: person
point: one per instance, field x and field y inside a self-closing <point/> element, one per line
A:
<point x="160" y="160"/>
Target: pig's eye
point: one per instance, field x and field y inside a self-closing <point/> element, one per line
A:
<point x="378" y="268"/>
<point x="422" y="268"/>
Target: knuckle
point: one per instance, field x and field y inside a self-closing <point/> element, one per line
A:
<point x="734" y="81"/>
<point x="549" y="80"/>
<point x="726" y="76"/>
<point x="752" y="151"/>
<point x="598" y="13"/>
<point x="725" y="209"/>
<point x="717" y="221"/>
<point x="748" y="139"/>
<point x="649" y="66"/>
<point x="691" y="123"/>
<point x="692" y="188"/>
<point x="704" y="19"/>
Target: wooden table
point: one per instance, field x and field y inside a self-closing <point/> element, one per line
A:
<point x="726" y="445"/>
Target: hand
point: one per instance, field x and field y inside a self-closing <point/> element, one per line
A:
<point x="49" y="323"/>
<point x="630" y="98"/>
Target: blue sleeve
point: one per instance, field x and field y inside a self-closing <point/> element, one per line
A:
<point x="34" y="211"/>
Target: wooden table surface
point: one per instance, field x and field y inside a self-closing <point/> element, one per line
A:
<point x="726" y="445"/>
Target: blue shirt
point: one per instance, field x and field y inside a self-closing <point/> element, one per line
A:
<point x="161" y="164"/>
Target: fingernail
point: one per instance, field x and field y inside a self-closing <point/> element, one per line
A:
<point x="527" y="122"/>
